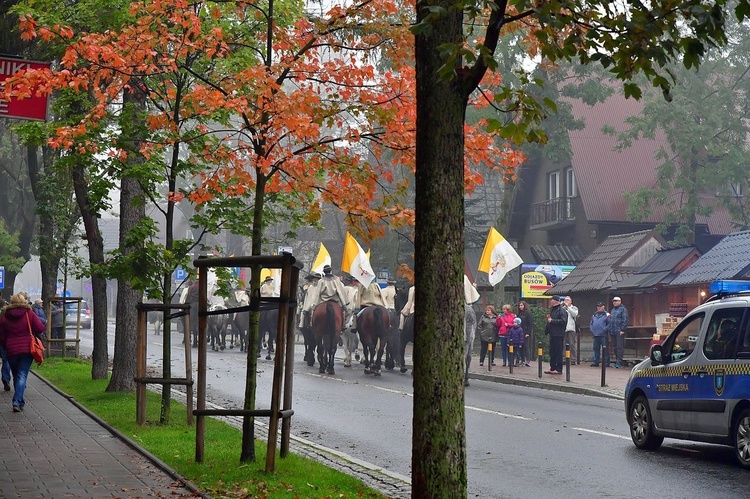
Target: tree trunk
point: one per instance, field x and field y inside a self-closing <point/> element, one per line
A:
<point x="99" y="355"/>
<point x="439" y="438"/>
<point x="132" y="212"/>
<point x="124" y="360"/>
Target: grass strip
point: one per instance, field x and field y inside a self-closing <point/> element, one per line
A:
<point x="220" y="474"/>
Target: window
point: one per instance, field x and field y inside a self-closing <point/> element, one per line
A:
<point x="722" y="333"/>
<point x="553" y="185"/>
<point x="681" y="342"/>
<point x="571" y="189"/>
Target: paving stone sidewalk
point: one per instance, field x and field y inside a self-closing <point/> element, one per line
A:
<point x="54" y="449"/>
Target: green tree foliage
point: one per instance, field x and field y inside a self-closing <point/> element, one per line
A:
<point x="704" y="128"/>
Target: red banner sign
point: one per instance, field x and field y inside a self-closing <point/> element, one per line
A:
<point x="30" y="108"/>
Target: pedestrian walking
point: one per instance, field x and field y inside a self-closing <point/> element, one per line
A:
<point x="487" y="331"/>
<point x="557" y="321"/>
<point x="571" y="329"/>
<point x="618" y="323"/>
<point x="17" y="323"/>
<point x="598" y="326"/>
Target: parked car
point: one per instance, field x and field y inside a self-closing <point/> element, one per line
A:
<point x="71" y="316"/>
<point x="696" y="384"/>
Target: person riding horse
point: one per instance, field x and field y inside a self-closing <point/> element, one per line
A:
<point x="349" y="338"/>
<point x="330" y="288"/>
<point x="267" y="319"/>
<point x="305" y="324"/>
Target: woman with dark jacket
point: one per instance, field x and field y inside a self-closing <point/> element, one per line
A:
<point x="487" y="334"/>
<point x="527" y="324"/>
<point x="17" y="323"/>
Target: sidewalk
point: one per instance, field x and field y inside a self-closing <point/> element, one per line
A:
<point x="584" y="379"/>
<point x="56" y="449"/>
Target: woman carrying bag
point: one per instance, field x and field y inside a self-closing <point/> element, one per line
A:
<point x="17" y="325"/>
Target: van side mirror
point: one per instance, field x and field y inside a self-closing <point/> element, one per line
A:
<point x="656" y="356"/>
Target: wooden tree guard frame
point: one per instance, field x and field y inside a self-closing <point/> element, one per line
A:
<point x="283" y="367"/>
<point x="63" y="341"/>
<point x="141" y="341"/>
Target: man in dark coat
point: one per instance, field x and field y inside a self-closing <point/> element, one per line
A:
<point x="557" y="320"/>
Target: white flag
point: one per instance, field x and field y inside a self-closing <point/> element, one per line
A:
<point x="498" y="257"/>
<point x="356" y="262"/>
<point x="323" y="259"/>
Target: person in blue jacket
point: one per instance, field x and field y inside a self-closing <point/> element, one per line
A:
<point x="618" y="323"/>
<point x="599" y="329"/>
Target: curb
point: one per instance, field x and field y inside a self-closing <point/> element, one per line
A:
<point x="547" y="385"/>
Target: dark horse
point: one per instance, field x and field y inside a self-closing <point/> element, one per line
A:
<point x="267" y="323"/>
<point x="407" y="335"/>
<point x="373" y="325"/>
<point x="327" y="321"/>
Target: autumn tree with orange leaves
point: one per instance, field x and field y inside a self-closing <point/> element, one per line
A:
<point x="249" y="108"/>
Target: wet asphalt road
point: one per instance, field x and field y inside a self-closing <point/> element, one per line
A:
<point x="521" y="442"/>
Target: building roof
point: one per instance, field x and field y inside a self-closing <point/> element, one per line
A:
<point x="603" y="174"/>
<point x="730" y="259"/>
<point x="618" y="257"/>
<point x="661" y="269"/>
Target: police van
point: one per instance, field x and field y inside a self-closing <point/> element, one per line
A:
<point x="696" y="384"/>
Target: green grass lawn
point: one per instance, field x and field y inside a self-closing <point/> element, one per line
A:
<point x="220" y="474"/>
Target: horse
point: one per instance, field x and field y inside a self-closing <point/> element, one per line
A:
<point x="393" y="342"/>
<point x="350" y="342"/>
<point x="239" y="322"/>
<point x="407" y="335"/>
<point x="309" y="337"/>
<point x="373" y="324"/>
<point x="327" y="321"/>
<point x="216" y="327"/>
<point x="267" y="323"/>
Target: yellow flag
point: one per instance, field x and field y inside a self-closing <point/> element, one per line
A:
<point x="498" y="257"/>
<point x="323" y="259"/>
<point x="356" y="262"/>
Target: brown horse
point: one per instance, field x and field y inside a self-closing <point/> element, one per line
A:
<point x="373" y="324"/>
<point x="327" y="322"/>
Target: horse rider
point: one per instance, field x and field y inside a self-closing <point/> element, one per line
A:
<point x="349" y="339"/>
<point x="331" y="288"/>
<point x="368" y="296"/>
<point x="389" y="295"/>
<point x="352" y="293"/>
<point x="309" y="291"/>
<point x="267" y="288"/>
<point x="471" y="295"/>
<point x="407" y="309"/>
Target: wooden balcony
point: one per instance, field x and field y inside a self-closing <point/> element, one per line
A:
<point x="552" y="214"/>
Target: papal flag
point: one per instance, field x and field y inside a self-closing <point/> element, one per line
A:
<point x="323" y="259"/>
<point x="498" y="257"/>
<point x="356" y="262"/>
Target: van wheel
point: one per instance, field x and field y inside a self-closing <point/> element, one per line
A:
<point x="642" y="426"/>
<point x="742" y="439"/>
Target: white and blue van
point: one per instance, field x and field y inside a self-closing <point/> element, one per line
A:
<point x="696" y="384"/>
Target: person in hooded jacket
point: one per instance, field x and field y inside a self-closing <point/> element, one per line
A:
<point x="487" y="332"/>
<point x="17" y="323"/>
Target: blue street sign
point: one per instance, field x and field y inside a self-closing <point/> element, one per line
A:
<point x="2" y="277"/>
<point x="180" y="274"/>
